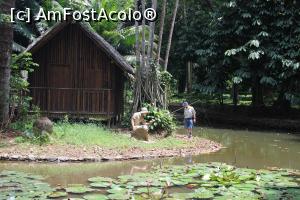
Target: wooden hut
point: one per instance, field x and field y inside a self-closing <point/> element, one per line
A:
<point x="79" y="73"/>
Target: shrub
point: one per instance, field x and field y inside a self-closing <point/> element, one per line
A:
<point x="21" y="65"/>
<point x="164" y="121"/>
<point x="126" y="120"/>
<point x="30" y="137"/>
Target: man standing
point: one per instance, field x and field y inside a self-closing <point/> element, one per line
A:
<point x="189" y="118"/>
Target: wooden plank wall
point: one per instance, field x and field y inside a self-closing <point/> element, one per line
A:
<point x="76" y="76"/>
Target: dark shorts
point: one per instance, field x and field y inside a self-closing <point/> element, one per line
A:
<point x="188" y="123"/>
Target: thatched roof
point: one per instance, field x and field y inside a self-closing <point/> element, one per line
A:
<point x="97" y="39"/>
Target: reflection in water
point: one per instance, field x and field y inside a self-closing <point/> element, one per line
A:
<point x="254" y="149"/>
<point x="243" y="149"/>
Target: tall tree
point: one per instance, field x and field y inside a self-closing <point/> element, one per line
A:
<point x="161" y="30"/>
<point x="151" y="35"/>
<point x="137" y="36"/>
<point x="143" y="37"/>
<point x="147" y="87"/>
<point x="6" y="41"/>
<point x="171" y="35"/>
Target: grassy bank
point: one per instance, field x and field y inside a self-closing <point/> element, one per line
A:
<point x="80" y="134"/>
<point x="79" y="142"/>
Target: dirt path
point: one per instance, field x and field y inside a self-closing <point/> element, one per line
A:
<point x="72" y="153"/>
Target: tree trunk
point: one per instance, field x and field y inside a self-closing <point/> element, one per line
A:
<point x="6" y="41"/>
<point x="257" y="93"/>
<point x="189" y="77"/>
<point x="171" y="35"/>
<point x="182" y="82"/>
<point x="235" y="94"/>
<point x="281" y="102"/>
<point x="137" y="37"/>
<point x="151" y="35"/>
<point x="143" y="40"/>
<point x="161" y="30"/>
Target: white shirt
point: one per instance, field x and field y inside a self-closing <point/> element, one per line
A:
<point x="189" y="112"/>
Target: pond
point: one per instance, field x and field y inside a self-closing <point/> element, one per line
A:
<point x="251" y="149"/>
<point x="246" y="149"/>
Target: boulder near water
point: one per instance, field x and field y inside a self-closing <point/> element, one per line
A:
<point x="41" y="125"/>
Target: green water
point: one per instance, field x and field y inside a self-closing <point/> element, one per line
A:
<point x="243" y="149"/>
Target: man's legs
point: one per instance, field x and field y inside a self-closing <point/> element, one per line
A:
<point x="189" y="132"/>
<point x="188" y="123"/>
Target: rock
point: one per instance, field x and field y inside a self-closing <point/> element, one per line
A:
<point x="140" y="134"/>
<point x="31" y="157"/>
<point x="41" y="125"/>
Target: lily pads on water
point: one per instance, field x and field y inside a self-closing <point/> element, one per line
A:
<point x="19" y="185"/>
<point x="57" y="194"/>
<point x="198" y="181"/>
<point x="117" y="190"/>
<point x="151" y="190"/>
<point x="100" y="184"/>
<point x="119" y="196"/>
<point x="95" y="197"/>
<point x="202" y="193"/>
<point x="100" y="179"/>
<point x="181" y="196"/>
<point x="78" y="189"/>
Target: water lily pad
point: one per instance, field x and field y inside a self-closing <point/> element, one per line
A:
<point x="117" y="190"/>
<point x="118" y="196"/>
<point x="150" y="190"/>
<point x="292" y="193"/>
<point x="78" y="189"/>
<point x="245" y="186"/>
<point x="57" y="194"/>
<point x="269" y="193"/>
<point x="100" y="184"/>
<point x="287" y="184"/>
<point x="95" y="197"/>
<point x="100" y="179"/>
<point x="181" y="196"/>
<point x="203" y="193"/>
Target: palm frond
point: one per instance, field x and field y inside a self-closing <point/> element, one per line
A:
<point x="17" y="47"/>
<point x="23" y="29"/>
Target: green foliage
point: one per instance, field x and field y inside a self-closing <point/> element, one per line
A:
<point x="28" y="134"/>
<point x="120" y="36"/>
<point x="168" y="82"/>
<point x="21" y="65"/>
<point x="166" y="79"/>
<point x="163" y="121"/>
<point x="40" y="138"/>
<point x="26" y="33"/>
<point x="4" y="18"/>
<point x="248" y="43"/>
<point x="126" y="120"/>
